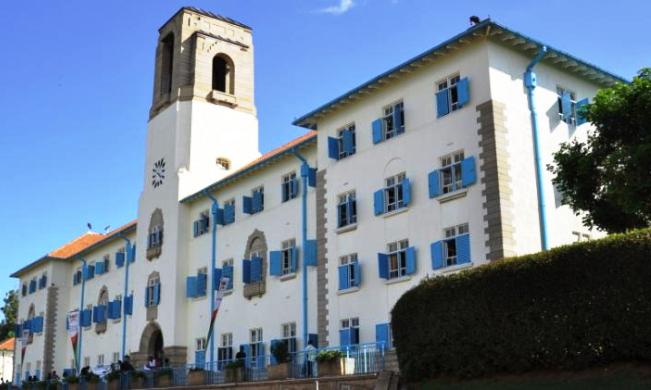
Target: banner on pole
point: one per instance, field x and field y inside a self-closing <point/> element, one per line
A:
<point x="223" y="285"/>
<point x="73" y="331"/>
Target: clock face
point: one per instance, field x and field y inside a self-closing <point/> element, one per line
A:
<point x="158" y="173"/>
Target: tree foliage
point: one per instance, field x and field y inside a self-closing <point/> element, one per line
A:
<point x="607" y="178"/>
<point x="10" y="311"/>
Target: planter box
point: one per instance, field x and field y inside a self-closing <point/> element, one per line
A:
<point x="234" y="374"/>
<point x="136" y="383"/>
<point x="114" y="384"/>
<point x="331" y="368"/>
<point x="196" y="378"/>
<point x="164" y="381"/>
<point x="278" y="371"/>
<point x="73" y="386"/>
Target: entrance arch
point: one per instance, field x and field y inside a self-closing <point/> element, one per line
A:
<point x="152" y="342"/>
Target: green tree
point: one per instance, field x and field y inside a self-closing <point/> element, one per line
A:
<point x="607" y="178"/>
<point x="10" y="311"/>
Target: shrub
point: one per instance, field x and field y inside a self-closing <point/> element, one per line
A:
<point x="71" y="379"/>
<point x="568" y="308"/>
<point x="328" y="356"/>
<point x="165" y="372"/>
<point x="235" y="364"/>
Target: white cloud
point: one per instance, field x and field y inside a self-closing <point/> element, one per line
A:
<point x="341" y="8"/>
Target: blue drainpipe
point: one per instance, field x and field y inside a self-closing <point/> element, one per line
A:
<point x="213" y="262"/>
<point x="128" y="257"/>
<point x="81" y="308"/>
<point x="305" y="171"/>
<point x="530" y="84"/>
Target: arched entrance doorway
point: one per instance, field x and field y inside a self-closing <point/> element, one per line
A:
<point x="152" y="342"/>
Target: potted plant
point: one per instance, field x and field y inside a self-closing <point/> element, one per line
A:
<point x="72" y="381"/>
<point x="234" y="371"/>
<point x="196" y="376"/>
<point x="329" y="363"/>
<point x="136" y="379"/>
<point x="91" y="380"/>
<point x="113" y="380"/>
<point x="280" y="370"/>
<point x="165" y="377"/>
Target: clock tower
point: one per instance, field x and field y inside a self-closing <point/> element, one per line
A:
<point x="202" y="127"/>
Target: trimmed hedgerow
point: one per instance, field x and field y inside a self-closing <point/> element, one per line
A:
<point x="571" y="307"/>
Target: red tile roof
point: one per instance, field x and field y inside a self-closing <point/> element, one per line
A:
<point x="8" y="344"/>
<point x="77" y="245"/>
<point x="278" y="150"/>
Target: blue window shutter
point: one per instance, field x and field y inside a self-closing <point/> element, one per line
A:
<point x="146" y="296"/>
<point x="294" y="188"/>
<point x="157" y="294"/>
<point x="216" y="277"/>
<point x="118" y="309"/>
<point x="257" y="202"/>
<point x="128" y="305"/>
<point x="383" y="265"/>
<point x="246" y="348"/>
<point x="256" y="269"/>
<point x="382" y="334"/>
<point x="437" y="255"/>
<point x="119" y="259"/>
<point x="261" y="355"/>
<point x="272" y="346"/>
<point x="310" y="255"/>
<point x="406" y="191"/>
<point x="333" y="148"/>
<point x="442" y="103"/>
<point x="411" y="260"/>
<point x="294" y="259"/>
<point x="199" y="359"/>
<point x="191" y="287"/>
<point x="344" y="337"/>
<point x="275" y="268"/>
<point x="111" y="308"/>
<point x="195" y="228"/>
<point x="377" y="127"/>
<point x="580" y="118"/>
<point x="246" y="271"/>
<point x="311" y="177"/>
<point x="463" y="248"/>
<point x="463" y="92"/>
<point x="343" y="277"/>
<point x="397" y="119"/>
<point x="348" y="140"/>
<point x="378" y="202"/>
<point x="247" y="205"/>
<point x="202" y="284"/>
<point x="357" y="269"/>
<point x="434" y="186"/>
<point x="351" y="210"/>
<point x="95" y="315"/>
<point x="566" y="104"/>
<point x="228" y="272"/>
<point x="229" y="214"/>
<point x="468" y="172"/>
<point x="219" y="217"/>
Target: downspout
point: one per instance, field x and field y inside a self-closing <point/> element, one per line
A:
<point x="128" y="258"/>
<point x="305" y="171"/>
<point x="213" y="262"/>
<point x="530" y="84"/>
<point x="84" y="269"/>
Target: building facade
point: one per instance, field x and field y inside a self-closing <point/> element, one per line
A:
<point x="426" y="170"/>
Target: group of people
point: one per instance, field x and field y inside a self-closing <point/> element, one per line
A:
<point x="154" y="364"/>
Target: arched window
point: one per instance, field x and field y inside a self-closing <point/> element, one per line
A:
<point x="223" y="74"/>
<point x="167" y="64"/>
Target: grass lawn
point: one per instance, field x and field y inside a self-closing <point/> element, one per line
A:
<point x="614" y="377"/>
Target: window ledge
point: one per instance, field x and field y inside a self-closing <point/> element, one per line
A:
<point x="348" y="290"/>
<point x="347" y="228"/>
<point x="395" y="212"/>
<point x="454" y="268"/>
<point x="287" y="276"/>
<point x="225" y="98"/>
<point x="227" y="292"/>
<point x="397" y="280"/>
<point x="452" y="195"/>
<point x="199" y="298"/>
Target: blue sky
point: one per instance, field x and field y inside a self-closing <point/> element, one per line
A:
<point x="76" y="79"/>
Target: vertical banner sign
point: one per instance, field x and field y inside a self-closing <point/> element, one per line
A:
<point x="73" y="331"/>
<point x="223" y="283"/>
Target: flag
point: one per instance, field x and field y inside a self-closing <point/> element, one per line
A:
<point x="223" y="284"/>
<point x="73" y="331"/>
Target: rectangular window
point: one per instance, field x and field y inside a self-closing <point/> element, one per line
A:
<point x="201" y="225"/>
<point x="566" y="105"/>
<point x="200" y="344"/>
<point x="347" y="209"/>
<point x="346" y="141"/>
<point x="227" y="340"/>
<point x="393" y="193"/>
<point x="349" y="271"/>
<point x="87" y="361"/>
<point x="393" y="120"/>
<point x="397" y="256"/>
<point x="450" y="84"/>
<point x="225" y="350"/>
<point x="153" y="291"/>
<point x="155" y="238"/>
<point x="257" y="348"/>
<point x="289" y="186"/>
<point x="289" y="336"/>
<point x="288" y="263"/>
<point x="229" y="211"/>
<point x="350" y="331"/>
<point x="451" y="172"/>
<point x="450" y="249"/>
<point x="116" y="357"/>
<point x="100" y="360"/>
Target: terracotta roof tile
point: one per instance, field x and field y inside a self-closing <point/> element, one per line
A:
<point x="77" y="245"/>
<point x="280" y="149"/>
<point x="8" y="344"/>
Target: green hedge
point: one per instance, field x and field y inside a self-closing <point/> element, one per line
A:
<point x="568" y="308"/>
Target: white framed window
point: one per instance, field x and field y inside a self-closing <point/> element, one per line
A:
<point x="152" y="284"/>
<point x="351" y="324"/>
<point x="155" y="237"/>
<point x="450" y="244"/>
<point x="286" y="256"/>
<point x="289" y="330"/>
<point x="397" y="255"/>
<point x="346" y="209"/>
<point x="391" y="129"/>
<point x="230" y="203"/>
<point x="116" y="357"/>
<point x="450" y="83"/>
<point x="201" y="344"/>
<point x="226" y="340"/>
<point x="343" y="151"/>
<point x="393" y="192"/>
<point x="451" y="177"/>
<point x="349" y="262"/>
<point x="255" y="335"/>
<point x="568" y="117"/>
<point x="256" y="346"/>
<point x="100" y="360"/>
<point x="289" y="186"/>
